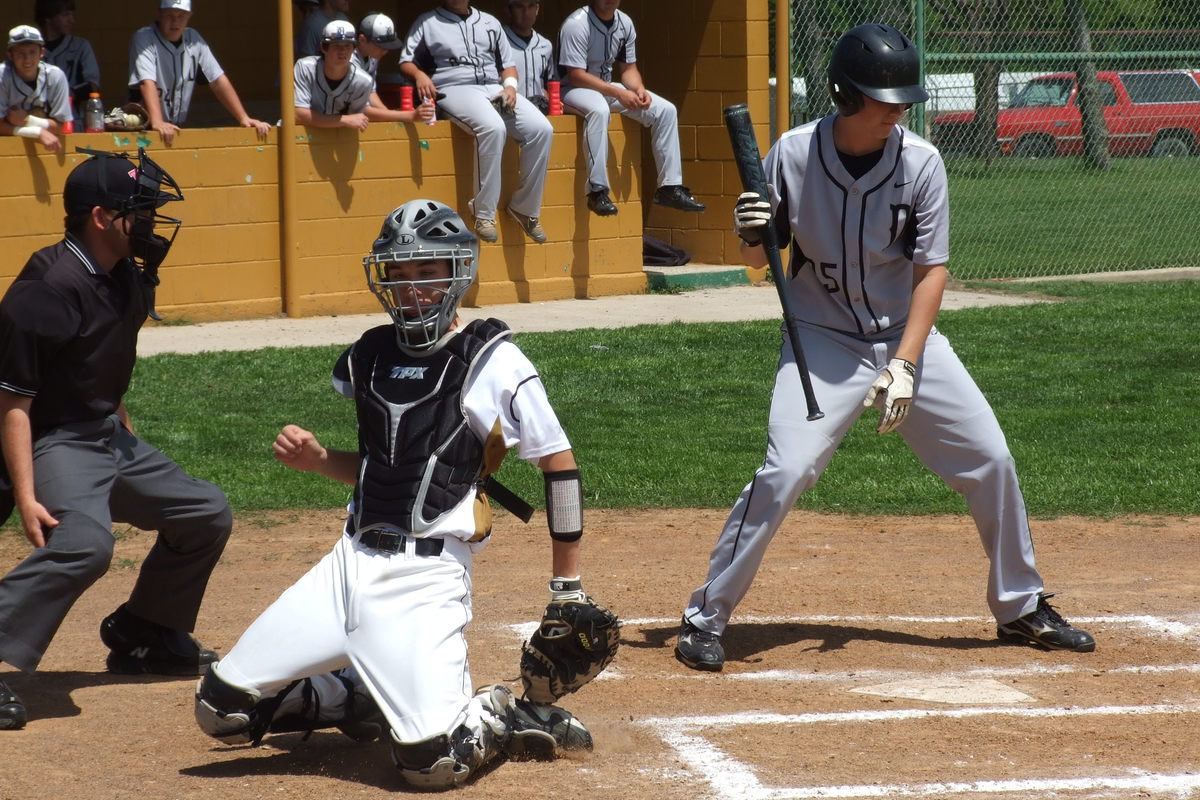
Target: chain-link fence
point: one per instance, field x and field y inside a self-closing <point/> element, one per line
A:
<point x="1070" y="128"/>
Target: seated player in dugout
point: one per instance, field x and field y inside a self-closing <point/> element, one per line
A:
<point x="460" y="55"/>
<point x="70" y="53"/>
<point x="597" y="58"/>
<point x="33" y="94"/>
<point x="164" y="61"/>
<point x="334" y="90"/>
<point x="533" y="53"/>
<point x="438" y="405"/>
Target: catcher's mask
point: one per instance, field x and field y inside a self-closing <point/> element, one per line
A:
<point x="133" y="188"/>
<point x="877" y="61"/>
<point x="422" y="231"/>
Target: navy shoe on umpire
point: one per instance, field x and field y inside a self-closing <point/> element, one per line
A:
<point x="699" y="649"/>
<point x="140" y="646"/>
<point x="12" y="711"/>
<point x="1045" y="627"/>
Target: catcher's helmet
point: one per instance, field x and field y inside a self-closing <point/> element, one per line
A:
<point x="422" y="230"/>
<point x="877" y="61"/>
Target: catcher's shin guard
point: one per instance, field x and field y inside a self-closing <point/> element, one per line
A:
<point x="448" y="760"/>
<point x="227" y="712"/>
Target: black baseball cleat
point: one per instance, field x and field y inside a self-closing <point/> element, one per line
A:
<point x="1044" y="627"/>
<point x="12" y="711"/>
<point x="140" y="646"/>
<point x="679" y="197"/>
<point x="699" y="649"/>
<point x="600" y="203"/>
<point x="543" y="732"/>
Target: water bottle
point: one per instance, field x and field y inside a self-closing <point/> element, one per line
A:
<point x="93" y="114"/>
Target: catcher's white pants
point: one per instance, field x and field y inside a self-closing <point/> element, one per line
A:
<point x="398" y="619"/>
<point x="951" y="429"/>
<point x="470" y="107"/>
<point x="661" y="118"/>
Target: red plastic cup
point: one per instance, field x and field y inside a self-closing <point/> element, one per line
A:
<point x="406" y="98"/>
<point x="553" y="89"/>
<point x="68" y="126"/>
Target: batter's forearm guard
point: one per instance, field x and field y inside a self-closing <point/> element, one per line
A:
<point x="564" y="505"/>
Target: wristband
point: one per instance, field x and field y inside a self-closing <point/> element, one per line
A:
<point x="28" y="131"/>
<point x="510" y="83"/>
<point x="567" y="589"/>
<point x="37" y="122"/>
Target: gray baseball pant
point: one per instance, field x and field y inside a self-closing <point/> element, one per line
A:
<point x="89" y="475"/>
<point x="661" y="118"/>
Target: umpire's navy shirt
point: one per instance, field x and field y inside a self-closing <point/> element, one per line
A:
<point x="68" y="334"/>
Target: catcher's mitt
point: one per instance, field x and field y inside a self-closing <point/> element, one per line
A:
<point x="575" y="641"/>
<point x="129" y="117"/>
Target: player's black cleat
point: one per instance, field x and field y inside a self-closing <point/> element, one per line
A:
<point x="544" y="732"/>
<point x="679" y="197"/>
<point x="140" y="646"/>
<point x="12" y="711"/>
<point x="1046" y="628"/>
<point x="601" y="204"/>
<point x="699" y="649"/>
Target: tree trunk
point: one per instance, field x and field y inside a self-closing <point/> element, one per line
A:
<point x="1089" y="99"/>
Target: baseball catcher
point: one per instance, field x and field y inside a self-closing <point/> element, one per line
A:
<point x="573" y="644"/>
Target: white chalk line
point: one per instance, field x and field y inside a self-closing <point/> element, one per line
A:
<point x="734" y="780"/>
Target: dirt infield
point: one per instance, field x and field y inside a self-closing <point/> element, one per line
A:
<point x="862" y="664"/>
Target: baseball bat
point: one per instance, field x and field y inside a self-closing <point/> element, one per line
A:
<point x="749" y="164"/>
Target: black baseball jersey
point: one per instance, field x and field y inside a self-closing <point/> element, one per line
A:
<point x="68" y="334"/>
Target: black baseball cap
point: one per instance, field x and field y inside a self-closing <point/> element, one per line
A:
<point x="118" y="182"/>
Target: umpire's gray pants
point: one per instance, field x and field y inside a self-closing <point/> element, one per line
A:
<point x="470" y="107"/>
<point x="89" y="475"/>
<point x="661" y="118"/>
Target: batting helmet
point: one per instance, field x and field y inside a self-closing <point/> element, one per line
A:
<point x="877" y="61"/>
<point x="422" y="230"/>
<point x="339" y="31"/>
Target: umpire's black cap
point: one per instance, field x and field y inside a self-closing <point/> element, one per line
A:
<point x="116" y="181"/>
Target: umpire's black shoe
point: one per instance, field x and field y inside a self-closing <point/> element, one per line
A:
<point x="678" y="197"/>
<point x="140" y="646"/>
<point x="1046" y="628"/>
<point x="601" y="204"/>
<point x="699" y="649"/>
<point x="12" y="710"/>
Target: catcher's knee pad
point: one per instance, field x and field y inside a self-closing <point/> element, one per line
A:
<point x="227" y="712"/>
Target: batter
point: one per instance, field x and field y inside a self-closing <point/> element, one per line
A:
<point x="864" y="203"/>
<point x="372" y="639"/>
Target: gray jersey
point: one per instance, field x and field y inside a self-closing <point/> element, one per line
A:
<point x="854" y="242"/>
<point x="589" y="43"/>
<point x="46" y="97"/>
<point x="458" y="52"/>
<point x="308" y="41"/>
<point x="173" y="66"/>
<point x="75" y="57"/>
<point x="350" y="96"/>
<point x="535" y="62"/>
<point x="368" y="65"/>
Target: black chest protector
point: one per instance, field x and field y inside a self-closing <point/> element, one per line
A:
<point x="420" y="458"/>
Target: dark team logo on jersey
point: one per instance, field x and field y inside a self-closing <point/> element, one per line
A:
<point x="904" y="227"/>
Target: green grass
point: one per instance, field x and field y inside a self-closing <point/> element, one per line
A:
<point x="1097" y="396"/>
<point x="1022" y="217"/>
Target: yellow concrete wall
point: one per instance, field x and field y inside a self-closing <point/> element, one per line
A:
<point x="226" y="261"/>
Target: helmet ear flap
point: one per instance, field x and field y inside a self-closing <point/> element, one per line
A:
<point x="849" y="100"/>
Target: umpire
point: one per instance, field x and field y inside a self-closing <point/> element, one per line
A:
<point x="68" y="336"/>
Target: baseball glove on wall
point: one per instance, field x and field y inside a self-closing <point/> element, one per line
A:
<point x="573" y="644"/>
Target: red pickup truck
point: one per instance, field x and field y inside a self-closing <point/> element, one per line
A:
<point x="1154" y="113"/>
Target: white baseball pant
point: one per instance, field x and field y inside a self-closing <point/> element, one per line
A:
<point x="470" y="107"/>
<point x="661" y="118"/>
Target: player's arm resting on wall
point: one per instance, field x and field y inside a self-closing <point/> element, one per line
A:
<point x="223" y="89"/>
<point x="318" y="119"/>
<point x="18" y="123"/>
<point x="299" y="449"/>
<point x="16" y="437"/>
<point x="564" y="554"/>
<point x="377" y="111"/>
<point x="154" y="110"/>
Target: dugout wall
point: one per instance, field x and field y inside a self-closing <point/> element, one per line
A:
<point x="228" y="261"/>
